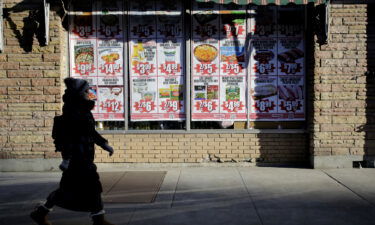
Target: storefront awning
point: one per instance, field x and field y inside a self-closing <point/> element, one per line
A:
<point x="265" y="2"/>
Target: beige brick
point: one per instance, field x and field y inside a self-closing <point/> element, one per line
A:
<point x="52" y="106"/>
<point x="26" y="139"/>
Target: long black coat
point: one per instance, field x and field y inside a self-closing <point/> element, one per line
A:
<point x="75" y="135"/>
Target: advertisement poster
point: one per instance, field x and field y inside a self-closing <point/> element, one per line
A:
<point x="290" y="21"/>
<point x="83" y="59"/>
<point x="263" y="59"/>
<point x="143" y="57"/>
<point x="291" y="56"/>
<point x="144" y="98"/>
<point x="232" y="57"/>
<point x="205" y="20"/>
<point x="110" y="24"/>
<point x="171" y="98"/>
<point x="291" y="97"/>
<point x="170" y="19"/>
<point x="142" y="19"/>
<point x="110" y="62"/>
<point x="263" y="23"/>
<point x="170" y="57"/>
<point x="205" y="98"/>
<point x="264" y="99"/>
<point x="233" y="97"/>
<point x="82" y="25"/>
<point x="205" y="60"/>
<point x="110" y="103"/>
<point x="233" y="24"/>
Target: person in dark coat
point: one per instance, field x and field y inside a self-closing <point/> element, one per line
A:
<point x="74" y="136"/>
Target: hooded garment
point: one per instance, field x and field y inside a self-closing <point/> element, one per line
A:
<point x="74" y="136"/>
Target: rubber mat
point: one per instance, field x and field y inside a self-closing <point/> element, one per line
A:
<point x="131" y="186"/>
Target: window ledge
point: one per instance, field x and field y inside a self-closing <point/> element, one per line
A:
<point x="224" y="131"/>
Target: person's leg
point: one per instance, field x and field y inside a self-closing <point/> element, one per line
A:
<point x="39" y="215"/>
<point x="97" y="213"/>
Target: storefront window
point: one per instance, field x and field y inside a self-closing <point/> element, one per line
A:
<point x="187" y="65"/>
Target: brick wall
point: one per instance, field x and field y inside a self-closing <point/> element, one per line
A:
<point x="340" y="84"/>
<point x="30" y="83"/>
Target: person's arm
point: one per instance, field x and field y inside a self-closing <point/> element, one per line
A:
<point x="103" y="143"/>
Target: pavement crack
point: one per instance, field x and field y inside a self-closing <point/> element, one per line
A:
<point x="347" y="187"/>
<point x="175" y="189"/>
<point x="251" y="198"/>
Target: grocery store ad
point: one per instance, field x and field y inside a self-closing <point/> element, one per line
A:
<point x="232" y="57"/>
<point x="143" y="57"/>
<point x="205" y="20"/>
<point x="233" y="24"/>
<point x="83" y="60"/>
<point x="110" y="20"/>
<point x="82" y="25"/>
<point x="170" y="57"/>
<point x="170" y="20"/>
<point x="291" y="56"/>
<point x="110" y="103"/>
<point x="263" y="98"/>
<point x="263" y="59"/>
<point x="171" y="104"/>
<point x="205" y="98"/>
<point x="110" y="62"/>
<point x="205" y="60"/>
<point x="93" y="95"/>
<point x="263" y="22"/>
<point x="291" y="97"/>
<point x="142" y="19"/>
<point x="144" y="98"/>
<point x="233" y="98"/>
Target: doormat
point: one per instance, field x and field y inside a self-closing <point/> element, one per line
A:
<point x="131" y="186"/>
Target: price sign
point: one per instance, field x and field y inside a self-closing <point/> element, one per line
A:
<point x="205" y="68"/>
<point x="264" y="105"/>
<point x="232" y="105"/>
<point x="170" y="68"/>
<point x="111" y="106"/>
<point x="205" y="106"/>
<point x="84" y="68"/>
<point x="233" y="31"/>
<point x="144" y="106"/>
<point x="171" y="105"/>
<point x="291" y="106"/>
<point x="232" y="68"/>
<point x="290" y="68"/>
<point x="143" y="68"/>
<point x="206" y="30"/>
<point x="264" y="68"/>
<point x="142" y="30"/>
<point x="110" y="68"/>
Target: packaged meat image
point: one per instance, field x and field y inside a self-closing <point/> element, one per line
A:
<point x="263" y="94"/>
<point x="263" y="61"/>
<point x="291" y="95"/>
<point x="291" y="56"/>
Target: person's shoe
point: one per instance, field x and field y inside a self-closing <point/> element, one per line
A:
<point x="39" y="215"/>
<point x="100" y="220"/>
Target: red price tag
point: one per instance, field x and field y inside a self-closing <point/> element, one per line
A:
<point x="143" y="68"/>
<point x="84" y="68"/>
<point x="264" y="105"/>
<point x="233" y="31"/>
<point x="171" y="105"/>
<point x="83" y="31"/>
<point x="144" y="106"/>
<point x="109" y="31"/>
<point x="205" y="68"/>
<point x="291" y="68"/>
<point x="264" y="68"/>
<point x="205" y="106"/>
<point x="232" y="68"/>
<point x="206" y="30"/>
<point x="170" y="68"/>
<point x="143" y="30"/>
<point x="111" y="106"/>
<point x="232" y="105"/>
<point x="110" y="68"/>
<point x="291" y="106"/>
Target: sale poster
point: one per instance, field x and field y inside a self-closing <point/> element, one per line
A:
<point x="110" y="103"/>
<point x="143" y="57"/>
<point x="263" y="22"/>
<point x="206" y="98"/>
<point x="291" y="56"/>
<point x="290" y="21"/>
<point x="232" y="57"/>
<point x="170" y="57"/>
<point x="171" y="102"/>
<point x="233" y="98"/>
<point x="82" y="25"/>
<point x="263" y="57"/>
<point x="83" y="59"/>
<point x="142" y="19"/>
<point x="110" y="62"/>
<point x="205" y="60"/>
<point x="205" y="20"/>
<point x="170" y="19"/>
<point x="233" y="24"/>
<point x="144" y="98"/>
<point x="264" y="99"/>
<point x="291" y="97"/>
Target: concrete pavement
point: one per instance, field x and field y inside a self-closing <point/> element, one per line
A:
<point x="217" y="196"/>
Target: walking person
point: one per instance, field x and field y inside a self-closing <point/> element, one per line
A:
<point x="74" y="136"/>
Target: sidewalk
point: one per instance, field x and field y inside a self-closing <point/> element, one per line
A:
<point x="217" y="196"/>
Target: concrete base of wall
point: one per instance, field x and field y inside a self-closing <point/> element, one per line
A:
<point x="29" y="165"/>
<point x="334" y="161"/>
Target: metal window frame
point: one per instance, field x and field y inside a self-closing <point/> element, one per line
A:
<point x="1" y="27"/>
